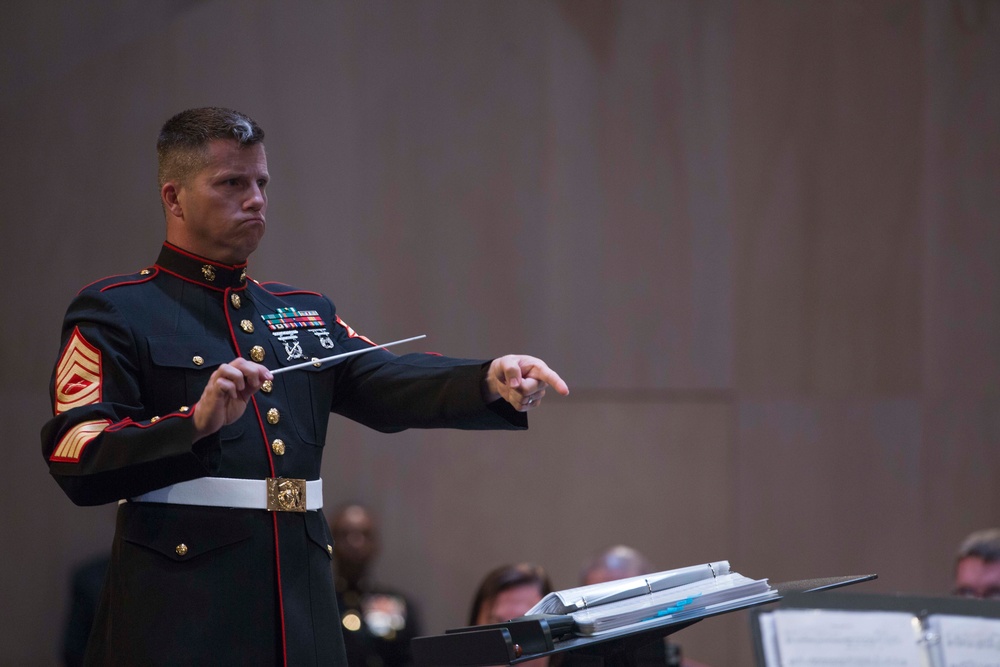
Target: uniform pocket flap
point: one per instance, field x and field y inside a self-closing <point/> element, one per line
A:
<point x="183" y="532"/>
<point x="189" y="351"/>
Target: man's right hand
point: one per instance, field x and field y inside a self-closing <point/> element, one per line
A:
<point x="226" y="395"/>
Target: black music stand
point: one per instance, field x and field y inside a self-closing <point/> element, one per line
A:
<point x="531" y="637"/>
<point x="919" y="607"/>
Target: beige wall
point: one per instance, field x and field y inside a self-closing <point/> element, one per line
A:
<point x="759" y="239"/>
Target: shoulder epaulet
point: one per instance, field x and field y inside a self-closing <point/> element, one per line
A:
<point x="284" y="289"/>
<point x="141" y="276"/>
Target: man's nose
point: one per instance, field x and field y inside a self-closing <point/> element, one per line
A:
<point x="256" y="200"/>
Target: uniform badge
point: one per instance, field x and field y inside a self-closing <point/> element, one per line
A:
<point x="70" y="447"/>
<point x="78" y="374"/>
<point x="293" y="348"/>
<point x="283" y="323"/>
<point x="324" y="337"/>
<point x="290" y="318"/>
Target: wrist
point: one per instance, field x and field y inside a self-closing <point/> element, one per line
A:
<point x="488" y="386"/>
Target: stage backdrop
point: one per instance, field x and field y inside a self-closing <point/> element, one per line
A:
<point x="760" y="241"/>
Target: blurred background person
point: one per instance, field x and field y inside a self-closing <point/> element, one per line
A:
<point x="618" y="562"/>
<point x="621" y="562"/>
<point x="378" y="623"/>
<point x="977" y="565"/>
<point x="508" y="592"/>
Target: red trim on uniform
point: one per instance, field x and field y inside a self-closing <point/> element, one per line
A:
<point x="144" y="279"/>
<point x="181" y="251"/>
<point x="281" y="600"/>
<point x="277" y="538"/>
<point x="117" y="426"/>
<point x="289" y="292"/>
<point x="351" y="333"/>
<point x="274" y="515"/>
<point x="133" y="281"/>
<point x="193" y="282"/>
<point x="128" y="421"/>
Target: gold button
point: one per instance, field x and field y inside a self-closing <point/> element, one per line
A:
<point x="154" y="420"/>
<point x="267" y="386"/>
<point x="208" y="271"/>
<point x="278" y="447"/>
<point x="181" y="549"/>
<point x="329" y="549"/>
<point x="257" y="353"/>
<point x="273" y="416"/>
<point x="316" y="362"/>
<point x="145" y="272"/>
<point x="247" y="326"/>
<point x="184" y="408"/>
<point x="235" y="300"/>
<point x="198" y="361"/>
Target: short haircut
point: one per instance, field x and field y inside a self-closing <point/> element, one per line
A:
<point x="507" y="577"/>
<point x="620" y="561"/>
<point x="984" y="544"/>
<point x="181" y="146"/>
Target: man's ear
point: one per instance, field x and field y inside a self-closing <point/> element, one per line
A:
<point x="170" y="194"/>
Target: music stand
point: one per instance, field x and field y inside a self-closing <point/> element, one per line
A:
<point x="531" y="637"/>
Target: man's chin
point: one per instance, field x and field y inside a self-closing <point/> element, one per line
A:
<point x="251" y="243"/>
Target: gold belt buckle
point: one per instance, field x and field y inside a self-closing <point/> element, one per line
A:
<point x="286" y="495"/>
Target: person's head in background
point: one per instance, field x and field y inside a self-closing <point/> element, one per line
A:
<point x="355" y="542"/>
<point x="618" y="562"/>
<point x="508" y="592"/>
<point x="977" y="565"/>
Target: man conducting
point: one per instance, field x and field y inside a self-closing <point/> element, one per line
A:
<point x="163" y="395"/>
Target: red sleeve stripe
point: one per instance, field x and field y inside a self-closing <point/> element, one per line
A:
<point x="70" y="448"/>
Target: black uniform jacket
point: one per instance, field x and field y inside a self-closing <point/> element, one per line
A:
<point x="208" y="585"/>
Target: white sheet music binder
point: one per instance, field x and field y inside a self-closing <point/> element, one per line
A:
<point x="828" y="637"/>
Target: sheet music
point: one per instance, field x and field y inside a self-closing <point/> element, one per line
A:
<point x="691" y="600"/>
<point x="831" y="638"/>
<point x="966" y="641"/>
<point x="582" y="597"/>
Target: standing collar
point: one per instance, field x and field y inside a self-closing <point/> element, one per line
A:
<point x="200" y="270"/>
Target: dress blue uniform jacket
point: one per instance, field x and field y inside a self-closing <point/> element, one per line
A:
<point x="208" y="585"/>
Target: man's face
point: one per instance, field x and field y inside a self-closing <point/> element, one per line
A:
<point x="220" y="209"/>
<point x="975" y="578"/>
<point x="354" y="537"/>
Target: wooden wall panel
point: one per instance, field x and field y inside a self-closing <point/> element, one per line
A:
<point x="586" y="475"/>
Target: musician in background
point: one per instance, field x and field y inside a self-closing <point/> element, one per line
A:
<point x="378" y="622"/>
<point x="507" y="592"/>
<point x="977" y="565"/>
<point x="621" y="562"/>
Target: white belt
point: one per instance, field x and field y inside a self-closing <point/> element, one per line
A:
<point x="277" y="494"/>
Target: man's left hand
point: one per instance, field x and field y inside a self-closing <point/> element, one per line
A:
<point x="521" y="381"/>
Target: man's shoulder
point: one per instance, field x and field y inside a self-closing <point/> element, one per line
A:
<point x="139" y="277"/>
<point x="278" y="288"/>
